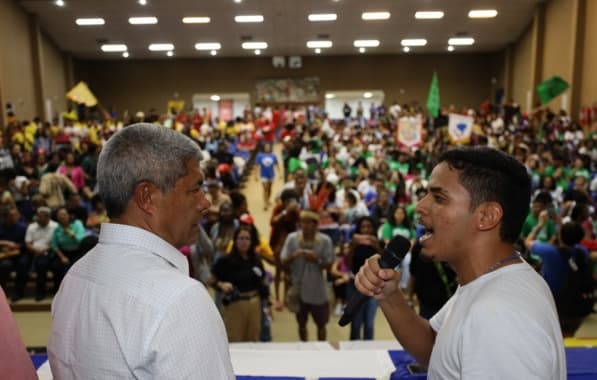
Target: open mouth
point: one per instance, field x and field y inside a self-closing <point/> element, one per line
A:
<point x="427" y="235"/>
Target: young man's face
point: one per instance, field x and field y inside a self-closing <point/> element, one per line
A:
<point x="444" y="212"/>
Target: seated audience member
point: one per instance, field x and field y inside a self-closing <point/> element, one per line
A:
<point x="97" y="215"/>
<point x="65" y="243"/>
<point x="240" y="277"/>
<point x="38" y="239"/>
<point x="15" y="363"/>
<point x="143" y="316"/>
<point x="12" y="244"/>
<point x="76" y="208"/>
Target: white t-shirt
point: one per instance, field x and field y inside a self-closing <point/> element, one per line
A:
<point x="503" y="325"/>
<point x="40" y="237"/>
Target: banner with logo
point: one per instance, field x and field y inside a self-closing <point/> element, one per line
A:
<point x="460" y="128"/>
<point x="225" y="110"/>
<point x="409" y="131"/>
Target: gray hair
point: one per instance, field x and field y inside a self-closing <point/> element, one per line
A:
<point x="141" y="152"/>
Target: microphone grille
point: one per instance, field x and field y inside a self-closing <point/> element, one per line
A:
<point x="399" y="246"/>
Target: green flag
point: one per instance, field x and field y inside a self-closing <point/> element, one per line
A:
<point x="551" y="88"/>
<point x="433" y="97"/>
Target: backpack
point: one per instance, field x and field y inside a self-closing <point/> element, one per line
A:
<point x="576" y="296"/>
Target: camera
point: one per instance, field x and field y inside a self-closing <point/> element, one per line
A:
<point x="230" y="297"/>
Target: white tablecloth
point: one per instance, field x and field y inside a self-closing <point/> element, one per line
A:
<point x="385" y="345"/>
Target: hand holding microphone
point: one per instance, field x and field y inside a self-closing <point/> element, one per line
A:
<point x="368" y="277"/>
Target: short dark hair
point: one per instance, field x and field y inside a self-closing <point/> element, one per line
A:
<point x="571" y="233"/>
<point x="490" y="175"/>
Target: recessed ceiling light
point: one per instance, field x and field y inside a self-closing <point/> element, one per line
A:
<point x="406" y="49"/>
<point x="238" y="1"/>
<point x="366" y="43"/>
<point x="482" y="13"/>
<point x="362" y="50"/>
<point x="461" y="41"/>
<point x="429" y="15"/>
<point x="125" y="54"/>
<point x="208" y="46"/>
<point x="169" y="53"/>
<point x="330" y="96"/>
<point x="161" y="47"/>
<point x="318" y="51"/>
<point x="375" y="16"/>
<point x="196" y="20"/>
<point x="213" y="52"/>
<point x="319" y="44"/>
<point x="248" y="18"/>
<point x="143" y="20"/>
<point x="254" y="45"/>
<point x="90" y="21"/>
<point x="367" y="95"/>
<point x="215" y="98"/>
<point x="143" y="2"/>
<point x="59" y="3"/>
<point x="413" y="42"/>
<point x="322" y="17"/>
<point x="450" y="48"/>
<point x="257" y="52"/>
<point x="110" y="48"/>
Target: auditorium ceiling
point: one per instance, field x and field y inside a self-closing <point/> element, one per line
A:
<point x="285" y="27"/>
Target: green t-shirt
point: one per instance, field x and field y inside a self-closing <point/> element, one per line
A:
<point x="388" y="231"/>
<point x="547" y="232"/>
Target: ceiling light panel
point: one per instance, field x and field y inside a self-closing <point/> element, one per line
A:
<point x="114" y="48"/>
<point x="143" y="20"/>
<point x="461" y="41"/>
<point x="90" y="21"/>
<point x="429" y="15"/>
<point x="366" y="43"/>
<point x="414" y="42"/>
<point x="319" y="44"/>
<point x="208" y="46"/>
<point x="316" y="17"/>
<point x="161" y="47"/>
<point x="248" y="18"/>
<point x="482" y="13"/>
<point x="196" y="20"/>
<point x="254" y="45"/>
<point x="371" y="16"/>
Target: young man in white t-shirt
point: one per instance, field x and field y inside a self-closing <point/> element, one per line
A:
<point x="501" y="323"/>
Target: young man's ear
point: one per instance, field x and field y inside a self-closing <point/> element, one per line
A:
<point x="489" y="215"/>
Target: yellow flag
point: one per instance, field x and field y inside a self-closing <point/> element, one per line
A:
<point x="82" y="94"/>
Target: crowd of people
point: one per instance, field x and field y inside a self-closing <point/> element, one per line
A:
<point x="350" y="187"/>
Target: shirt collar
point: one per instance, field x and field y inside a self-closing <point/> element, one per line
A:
<point x="112" y="233"/>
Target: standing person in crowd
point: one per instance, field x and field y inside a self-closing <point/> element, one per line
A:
<point x="432" y="282"/>
<point x="54" y="185"/>
<point x="240" y="276"/>
<point x="268" y="165"/>
<point x="502" y="319"/>
<point x="558" y="263"/>
<point x="306" y="254"/>
<point x="38" y="239"/>
<point x="364" y="244"/>
<point x="73" y="171"/>
<point x="284" y="220"/>
<point x="141" y="313"/>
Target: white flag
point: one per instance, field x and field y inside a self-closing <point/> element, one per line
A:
<point x="460" y="128"/>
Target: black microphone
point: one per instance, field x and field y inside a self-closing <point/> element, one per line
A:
<point x="391" y="256"/>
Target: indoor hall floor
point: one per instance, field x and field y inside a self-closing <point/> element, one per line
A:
<point x="35" y="326"/>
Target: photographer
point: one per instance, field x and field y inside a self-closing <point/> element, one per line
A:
<point x="241" y="278"/>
